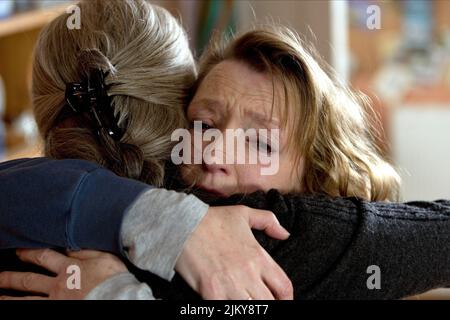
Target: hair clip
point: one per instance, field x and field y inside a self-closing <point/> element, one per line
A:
<point x="91" y="96"/>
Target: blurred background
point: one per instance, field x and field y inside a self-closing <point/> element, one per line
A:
<point x="397" y="52"/>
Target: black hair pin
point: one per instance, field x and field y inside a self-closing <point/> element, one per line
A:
<point x="91" y="97"/>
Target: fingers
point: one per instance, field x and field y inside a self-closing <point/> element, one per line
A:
<point x="227" y="288"/>
<point x="255" y="292"/>
<point x="230" y="264"/>
<point x="259" y="291"/>
<point x="277" y="281"/>
<point x="85" y="254"/>
<point x="280" y="286"/>
<point x="266" y="220"/>
<point x="46" y="258"/>
<point x="26" y="281"/>
<point x="276" y="284"/>
<point x="108" y="261"/>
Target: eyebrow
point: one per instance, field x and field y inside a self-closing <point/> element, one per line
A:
<point x="262" y="119"/>
<point x="215" y="105"/>
<point x="210" y="104"/>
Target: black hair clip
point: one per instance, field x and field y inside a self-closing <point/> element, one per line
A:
<point x="91" y="97"/>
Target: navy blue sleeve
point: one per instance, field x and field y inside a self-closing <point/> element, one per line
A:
<point x="72" y="204"/>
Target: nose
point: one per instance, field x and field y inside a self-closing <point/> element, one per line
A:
<point x="214" y="157"/>
<point x="215" y="168"/>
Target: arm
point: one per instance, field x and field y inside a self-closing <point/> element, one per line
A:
<point x="102" y="275"/>
<point x="76" y="204"/>
<point x="85" y="206"/>
<point x="57" y="203"/>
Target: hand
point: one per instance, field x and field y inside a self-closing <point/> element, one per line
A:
<point x="223" y="260"/>
<point x="95" y="267"/>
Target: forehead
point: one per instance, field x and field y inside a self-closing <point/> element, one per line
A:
<point x="234" y="84"/>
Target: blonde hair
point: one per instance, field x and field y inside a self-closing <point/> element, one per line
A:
<point x="331" y="130"/>
<point x="150" y="69"/>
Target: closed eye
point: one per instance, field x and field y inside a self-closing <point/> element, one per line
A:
<point x="264" y="146"/>
<point x="261" y="145"/>
<point x="204" y="125"/>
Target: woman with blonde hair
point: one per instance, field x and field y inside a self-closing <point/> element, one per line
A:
<point x="327" y="131"/>
<point x="327" y="157"/>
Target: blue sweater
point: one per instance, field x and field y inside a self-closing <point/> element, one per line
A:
<point x="76" y="213"/>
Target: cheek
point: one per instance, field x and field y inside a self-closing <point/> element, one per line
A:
<point x="249" y="178"/>
<point x="290" y="175"/>
<point x="286" y="179"/>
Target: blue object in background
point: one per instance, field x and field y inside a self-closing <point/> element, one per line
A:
<point x="24" y="5"/>
<point x="418" y="23"/>
<point x="216" y="15"/>
<point x="6" y="8"/>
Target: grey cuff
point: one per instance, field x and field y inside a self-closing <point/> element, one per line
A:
<point x="156" y="228"/>
<point x="123" y="286"/>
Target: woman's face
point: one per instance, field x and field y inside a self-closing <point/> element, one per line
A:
<point x="233" y="96"/>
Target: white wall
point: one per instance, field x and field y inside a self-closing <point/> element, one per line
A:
<point x="421" y="149"/>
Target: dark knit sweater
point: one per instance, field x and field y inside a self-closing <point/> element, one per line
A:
<point x="334" y="241"/>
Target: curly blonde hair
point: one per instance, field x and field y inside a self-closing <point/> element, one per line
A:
<point x="332" y="132"/>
